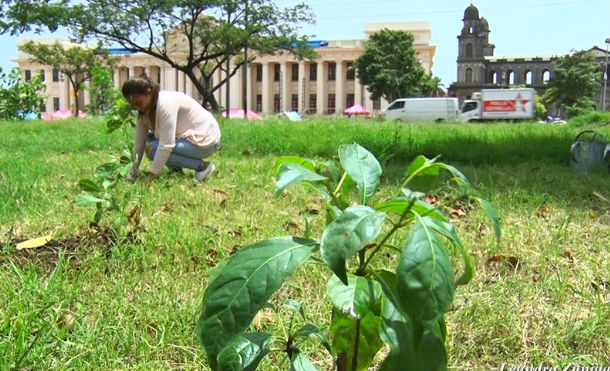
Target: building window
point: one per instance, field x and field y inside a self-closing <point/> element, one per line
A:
<point x="259" y="72"/>
<point x="331" y="103"/>
<point x="377" y="104"/>
<point x="259" y="102"/>
<point x="295" y="72"/>
<point x="158" y="75"/>
<point x="276" y="72"/>
<point x="349" y="100"/>
<point x="295" y="102"/>
<point x="469" y="52"/>
<point x="351" y="71"/>
<point x="468" y="77"/>
<point x="493" y="77"/>
<point x="42" y="76"/>
<point x="276" y="103"/>
<point x="28" y="75"/>
<point x="546" y="76"/>
<point x="332" y="71"/>
<point x="312" y="103"/>
<point x="55" y="103"/>
<point x="55" y="75"/>
<point x="313" y="72"/>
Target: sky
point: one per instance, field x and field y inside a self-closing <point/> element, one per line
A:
<point x="518" y="27"/>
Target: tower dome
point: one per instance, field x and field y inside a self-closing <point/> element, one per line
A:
<point x="484" y="24"/>
<point x="471" y="13"/>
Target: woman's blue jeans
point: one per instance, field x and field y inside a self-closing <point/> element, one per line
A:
<point x="184" y="155"/>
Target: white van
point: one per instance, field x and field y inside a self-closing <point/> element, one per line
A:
<point x="423" y="110"/>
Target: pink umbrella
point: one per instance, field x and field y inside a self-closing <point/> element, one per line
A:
<point x="238" y="113"/>
<point x="62" y="114"/>
<point x="356" y="109"/>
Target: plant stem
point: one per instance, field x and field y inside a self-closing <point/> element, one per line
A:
<point x="338" y="188"/>
<point x="396" y="226"/>
<point x="356" y="346"/>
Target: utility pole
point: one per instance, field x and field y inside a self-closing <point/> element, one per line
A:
<point x="245" y="84"/>
<point x="228" y="83"/>
<point x="605" y="76"/>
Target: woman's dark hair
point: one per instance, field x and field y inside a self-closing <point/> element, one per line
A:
<point x="140" y="85"/>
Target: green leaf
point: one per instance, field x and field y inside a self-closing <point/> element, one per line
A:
<point x="398" y="205"/>
<point x="89" y="185"/>
<point x="106" y="170"/>
<point x="313" y="332"/>
<point x="491" y="214"/>
<point x="411" y="347"/>
<point x="245" y="352"/>
<point x="426" y="171"/>
<point x="446" y="229"/>
<point x="355" y="339"/>
<point x="305" y="162"/>
<point x="243" y="287"/>
<point x="360" y="296"/>
<point x="87" y="200"/>
<point x="293" y="304"/>
<point x="363" y="167"/>
<point x="348" y="234"/>
<point x="425" y="276"/>
<point x="290" y="173"/>
<point x="300" y="363"/>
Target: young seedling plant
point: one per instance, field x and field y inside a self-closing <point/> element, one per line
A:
<point x="403" y="308"/>
<point x="102" y="191"/>
<point x="110" y="200"/>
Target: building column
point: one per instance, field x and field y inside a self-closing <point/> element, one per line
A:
<point x="188" y="86"/>
<point x="117" y="78"/>
<point x="181" y="87"/>
<point x="284" y="100"/>
<point x="48" y="76"/>
<point x="339" y="85"/>
<point x="65" y="89"/>
<point x="132" y="72"/>
<point x="358" y="92"/>
<point x="170" y="78"/>
<point x="302" y="87"/>
<point x="162" y="77"/>
<point x="321" y="103"/>
<point x="267" y="94"/>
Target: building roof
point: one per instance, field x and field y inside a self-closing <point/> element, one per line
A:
<point x="471" y="13"/>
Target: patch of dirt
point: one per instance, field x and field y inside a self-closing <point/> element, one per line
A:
<point x="46" y="256"/>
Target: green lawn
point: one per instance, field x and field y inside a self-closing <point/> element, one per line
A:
<point x="539" y="296"/>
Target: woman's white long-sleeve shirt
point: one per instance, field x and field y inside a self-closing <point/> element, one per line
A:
<point x="178" y="116"/>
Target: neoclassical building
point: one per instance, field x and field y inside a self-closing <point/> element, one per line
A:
<point x="275" y="83"/>
<point x="478" y="68"/>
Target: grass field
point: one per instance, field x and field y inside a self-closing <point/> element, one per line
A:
<point x="540" y="295"/>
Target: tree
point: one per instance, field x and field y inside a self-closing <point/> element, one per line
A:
<point x="574" y="80"/>
<point x="75" y="62"/>
<point x="101" y="90"/>
<point x="431" y="86"/>
<point x="18" y="98"/>
<point x="389" y="66"/>
<point x="192" y="36"/>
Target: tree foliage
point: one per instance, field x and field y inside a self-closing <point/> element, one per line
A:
<point x="75" y="62"/>
<point x="19" y="98"/>
<point x="101" y="90"/>
<point x="192" y="36"/>
<point x="389" y="66"/>
<point x="574" y="80"/>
